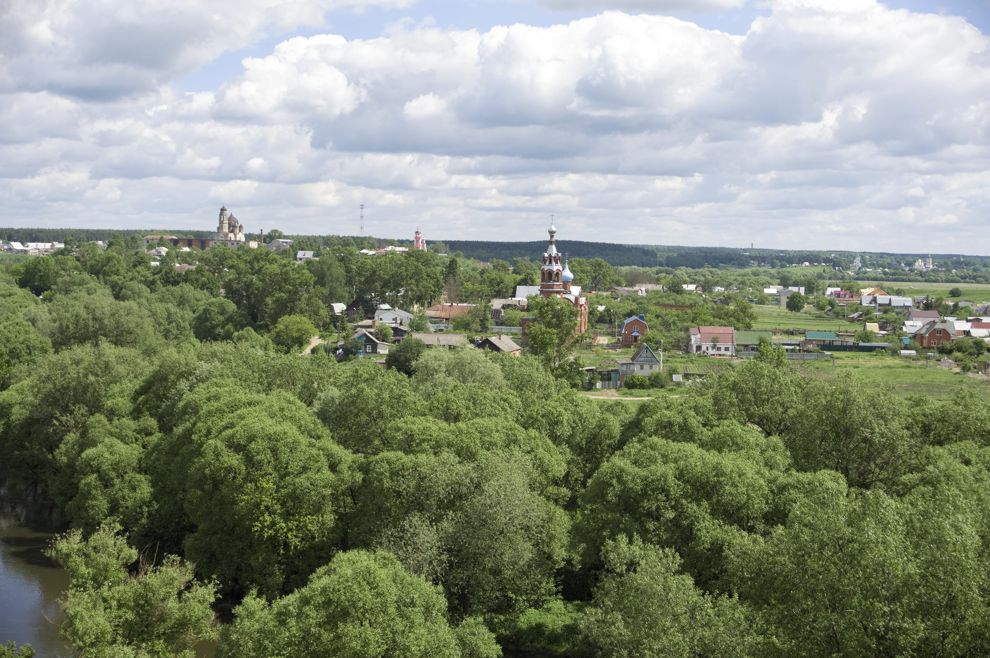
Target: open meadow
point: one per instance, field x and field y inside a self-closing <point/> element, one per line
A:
<point x="904" y="375"/>
<point x="971" y="292"/>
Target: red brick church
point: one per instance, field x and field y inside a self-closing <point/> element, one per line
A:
<point x="556" y="280"/>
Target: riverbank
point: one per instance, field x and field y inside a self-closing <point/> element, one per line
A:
<point x="30" y="585"/>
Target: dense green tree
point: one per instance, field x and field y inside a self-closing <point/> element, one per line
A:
<point x="678" y="495"/>
<point x="255" y="476"/>
<point x="644" y="606"/>
<point x="293" y="332"/>
<point x="509" y="541"/>
<point x="383" y="332"/>
<point x="218" y="319"/>
<point x="11" y="650"/>
<point x="762" y="391"/>
<point x="362" y="604"/>
<point x="55" y="399"/>
<point x="160" y="611"/>
<point x="594" y="273"/>
<point x="79" y="319"/>
<point x="265" y="286"/>
<point x="854" y="428"/>
<point x="403" y="356"/>
<point x="584" y="432"/>
<point x="20" y="343"/>
<point x="362" y="403"/>
<point x="100" y="476"/>
<point x="39" y="274"/>
<point x="330" y="276"/>
<point x="551" y="334"/>
<point x="862" y="574"/>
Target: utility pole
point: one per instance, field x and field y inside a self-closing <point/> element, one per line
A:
<point x="362" y="219"/>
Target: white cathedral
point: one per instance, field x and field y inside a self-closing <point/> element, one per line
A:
<point x="229" y="229"/>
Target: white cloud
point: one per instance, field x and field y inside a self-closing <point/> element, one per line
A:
<point x="653" y="6"/>
<point x="104" y="49"/>
<point x="821" y="121"/>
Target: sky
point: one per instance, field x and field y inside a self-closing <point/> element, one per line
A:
<point x="819" y="124"/>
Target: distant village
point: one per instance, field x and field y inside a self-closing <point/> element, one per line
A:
<point x="880" y="314"/>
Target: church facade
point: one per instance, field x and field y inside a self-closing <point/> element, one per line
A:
<point x="230" y="231"/>
<point x="556" y="280"/>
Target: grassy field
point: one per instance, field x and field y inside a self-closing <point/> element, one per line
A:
<point x="774" y="318"/>
<point x="905" y="376"/>
<point x="972" y="292"/>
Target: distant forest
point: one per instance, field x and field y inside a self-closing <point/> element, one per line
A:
<point x="618" y="255"/>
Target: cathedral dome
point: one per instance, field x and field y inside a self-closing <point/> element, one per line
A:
<point x="566" y="276"/>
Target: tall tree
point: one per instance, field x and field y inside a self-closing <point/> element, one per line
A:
<point x="644" y="606"/>
<point x="362" y="604"/>
<point x="160" y="611"/>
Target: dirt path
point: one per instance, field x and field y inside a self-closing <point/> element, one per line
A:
<point x="313" y="342"/>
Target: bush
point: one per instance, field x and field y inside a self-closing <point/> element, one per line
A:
<point x="636" y="381"/>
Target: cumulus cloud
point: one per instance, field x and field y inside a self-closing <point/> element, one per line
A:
<point x="653" y="6"/>
<point x="104" y="49"/>
<point x="827" y="124"/>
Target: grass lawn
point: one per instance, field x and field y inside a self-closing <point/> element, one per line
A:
<point x="775" y="318"/>
<point x="905" y="376"/>
<point x="594" y="355"/>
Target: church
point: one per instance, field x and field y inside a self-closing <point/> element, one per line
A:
<point x="556" y="280"/>
<point x="230" y="231"/>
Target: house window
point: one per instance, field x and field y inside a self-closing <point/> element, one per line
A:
<point x="367" y="348"/>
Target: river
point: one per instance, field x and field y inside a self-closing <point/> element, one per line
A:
<point x="30" y="585"/>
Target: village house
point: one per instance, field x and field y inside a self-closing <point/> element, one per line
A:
<point x="442" y="315"/>
<point x="644" y="362"/>
<point x="935" y="333"/>
<point x="979" y="330"/>
<point x="499" y="306"/>
<point x="633" y="329"/>
<point x="33" y="248"/>
<point x="923" y="316"/>
<point x="842" y="297"/>
<point x="500" y="343"/>
<point x="369" y="344"/>
<point x="889" y="301"/>
<point x="525" y="292"/>
<point x="748" y="342"/>
<point x="394" y="318"/>
<point x="717" y="341"/>
<point x="819" y="340"/>
<point x="303" y="256"/>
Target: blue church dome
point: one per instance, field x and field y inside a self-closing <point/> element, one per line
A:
<point x="566" y="275"/>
